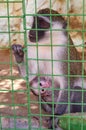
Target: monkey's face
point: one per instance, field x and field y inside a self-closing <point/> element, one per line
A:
<point x="43" y="24"/>
<point x="37" y="32"/>
<point x="41" y="86"/>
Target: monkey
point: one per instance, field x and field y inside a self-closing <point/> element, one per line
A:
<point x="43" y="86"/>
<point x="51" y="53"/>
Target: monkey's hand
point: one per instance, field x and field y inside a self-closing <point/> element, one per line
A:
<point x="18" y="53"/>
<point x="47" y="107"/>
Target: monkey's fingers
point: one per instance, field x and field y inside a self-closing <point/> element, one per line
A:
<point x="18" y="53"/>
<point x="18" y="49"/>
<point x="53" y="124"/>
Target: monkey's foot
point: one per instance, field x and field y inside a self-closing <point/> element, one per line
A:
<point x="53" y="123"/>
<point x="61" y="109"/>
<point x="18" y="53"/>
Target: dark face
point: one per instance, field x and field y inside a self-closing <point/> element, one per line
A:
<point x="41" y="24"/>
<point x="36" y="33"/>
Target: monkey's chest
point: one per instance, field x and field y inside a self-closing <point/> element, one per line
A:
<point x="42" y="60"/>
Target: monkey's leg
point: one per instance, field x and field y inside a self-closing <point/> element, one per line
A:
<point x="55" y="123"/>
<point x="46" y="107"/>
<point x="62" y="102"/>
<point x="19" y="57"/>
<point x="60" y="108"/>
<point x="18" y="53"/>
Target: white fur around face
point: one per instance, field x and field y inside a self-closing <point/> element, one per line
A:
<point x="53" y="51"/>
<point x="81" y="82"/>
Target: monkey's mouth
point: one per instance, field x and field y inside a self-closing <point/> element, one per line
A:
<point x="32" y="38"/>
<point x="45" y="93"/>
<point x="35" y="37"/>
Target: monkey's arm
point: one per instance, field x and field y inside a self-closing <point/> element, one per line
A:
<point x="19" y="57"/>
<point x="47" y="107"/>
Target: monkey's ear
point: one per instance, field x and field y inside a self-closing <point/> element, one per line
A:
<point x="43" y="23"/>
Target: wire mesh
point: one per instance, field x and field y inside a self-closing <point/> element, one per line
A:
<point x="20" y="108"/>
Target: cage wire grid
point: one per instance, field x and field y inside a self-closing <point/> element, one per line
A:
<point x="14" y="119"/>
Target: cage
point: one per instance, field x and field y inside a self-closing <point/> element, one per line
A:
<point x="41" y="43"/>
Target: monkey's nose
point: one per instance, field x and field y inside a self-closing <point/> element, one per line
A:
<point x="46" y="85"/>
<point x="32" y="39"/>
<point x="31" y="35"/>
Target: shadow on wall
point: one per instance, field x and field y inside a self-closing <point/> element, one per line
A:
<point x="13" y="93"/>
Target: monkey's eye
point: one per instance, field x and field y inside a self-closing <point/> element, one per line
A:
<point x="43" y="24"/>
<point x="43" y="90"/>
<point x="40" y="84"/>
